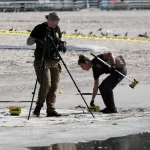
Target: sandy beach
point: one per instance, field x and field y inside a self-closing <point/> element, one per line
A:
<point x="18" y="79"/>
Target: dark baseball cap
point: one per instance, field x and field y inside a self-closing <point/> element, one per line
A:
<point x="52" y="16"/>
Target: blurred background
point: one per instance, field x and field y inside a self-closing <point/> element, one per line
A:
<point x="63" y="5"/>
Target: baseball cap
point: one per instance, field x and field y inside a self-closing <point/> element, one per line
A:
<point x="52" y="16"/>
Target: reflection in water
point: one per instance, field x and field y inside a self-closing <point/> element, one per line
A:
<point x="130" y="142"/>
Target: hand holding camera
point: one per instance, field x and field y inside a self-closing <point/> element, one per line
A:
<point x="62" y="46"/>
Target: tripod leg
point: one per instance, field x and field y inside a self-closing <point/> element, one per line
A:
<point x="76" y="86"/>
<point x="32" y="98"/>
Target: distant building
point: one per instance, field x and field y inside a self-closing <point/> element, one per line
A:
<point x="47" y="5"/>
<point x="31" y="5"/>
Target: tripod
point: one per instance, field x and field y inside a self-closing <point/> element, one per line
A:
<point x="42" y="62"/>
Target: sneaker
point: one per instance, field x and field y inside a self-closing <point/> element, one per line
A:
<point x="36" y="111"/>
<point x="108" y="110"/>
<point x="103" y="110"/>
<point x="53" y="114"/>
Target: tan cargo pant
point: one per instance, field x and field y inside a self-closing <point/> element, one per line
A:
<point x="48" y="78"/>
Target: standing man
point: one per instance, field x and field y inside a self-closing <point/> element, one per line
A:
<point x="45" y="35"/>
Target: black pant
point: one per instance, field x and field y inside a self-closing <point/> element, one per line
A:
<point x="107" y="86"/>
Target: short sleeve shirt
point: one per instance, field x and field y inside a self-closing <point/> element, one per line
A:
<point x="99" y="68"/>
<point x="39" y="32"/>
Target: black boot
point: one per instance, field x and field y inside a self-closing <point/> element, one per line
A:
<point x="103" y="110"/>
<point x="53" y="114"/>
<point x="109" y="110"/>
<point x="36" y="111"/>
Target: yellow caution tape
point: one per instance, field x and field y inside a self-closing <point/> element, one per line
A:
<point x="83" y="36"/>
<point x="106" y="37"/>
<point x="13" y="32"/>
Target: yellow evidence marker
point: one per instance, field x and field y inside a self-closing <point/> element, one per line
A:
<point x="15" y="110"/>
<point x="61" y="92"/>
<point x="94" y="108"/>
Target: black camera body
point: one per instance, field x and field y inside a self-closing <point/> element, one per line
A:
<point x="51" y="45"/>
<point x="62" y="46"/>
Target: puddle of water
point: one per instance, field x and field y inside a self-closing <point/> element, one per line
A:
<point x="131" y="142"/>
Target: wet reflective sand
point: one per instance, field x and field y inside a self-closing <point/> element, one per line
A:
<point x="131" y="142"/>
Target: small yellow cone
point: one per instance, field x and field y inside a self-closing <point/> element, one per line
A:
<point x="61" y="92"/>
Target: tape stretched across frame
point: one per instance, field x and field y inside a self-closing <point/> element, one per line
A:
<point x="13" y="32"/>
<point x="82" y="36"/>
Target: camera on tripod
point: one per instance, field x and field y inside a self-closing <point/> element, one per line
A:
<point x="62" y="46"/>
